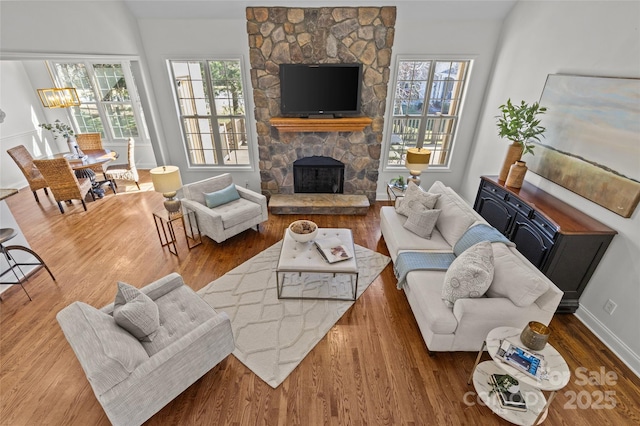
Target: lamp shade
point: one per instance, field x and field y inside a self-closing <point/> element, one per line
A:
<point x="417" y="159"/>
<point x="166" y="179"/>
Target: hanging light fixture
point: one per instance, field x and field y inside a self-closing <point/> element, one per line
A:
<point x="59" y="98"/>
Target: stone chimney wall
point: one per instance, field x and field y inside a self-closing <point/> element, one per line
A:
<point x="280" y="35"/>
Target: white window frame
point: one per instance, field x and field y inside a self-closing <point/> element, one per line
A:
<point x="248" y="117"/>
<point x="134" y="96"/>
<point x="389" y="117"/>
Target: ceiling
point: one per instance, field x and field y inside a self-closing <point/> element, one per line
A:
<point x="425" y="10"/>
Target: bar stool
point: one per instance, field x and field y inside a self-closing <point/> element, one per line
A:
<point x="5" y="235"/>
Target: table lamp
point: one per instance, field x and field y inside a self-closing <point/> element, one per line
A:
<point x="166" y="179"/>
<point x="417" y="161"/>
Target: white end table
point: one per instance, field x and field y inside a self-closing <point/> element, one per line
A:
<point x="557" y="377"/>
<point x="303" y="258"/>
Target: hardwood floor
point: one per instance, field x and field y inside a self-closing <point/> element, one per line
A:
<point x="371" y="368"/>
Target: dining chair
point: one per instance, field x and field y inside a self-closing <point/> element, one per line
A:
<point x="89" y="141"/>
<point x="126" y="171"/>
<point x="24" y="160"/>
<point x="63" y="182"/>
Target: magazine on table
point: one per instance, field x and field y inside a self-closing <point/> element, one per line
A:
<point x="332" y="249"/>
<point x="506" y="399"/>
<point x="528" y="362"/>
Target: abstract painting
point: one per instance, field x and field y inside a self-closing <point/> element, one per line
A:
<point x="592" y="142"/>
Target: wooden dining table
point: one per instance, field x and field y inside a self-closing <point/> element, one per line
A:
<point x="82" y="166"/>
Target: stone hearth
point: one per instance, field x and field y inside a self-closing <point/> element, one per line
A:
<point x="319" y="204"/>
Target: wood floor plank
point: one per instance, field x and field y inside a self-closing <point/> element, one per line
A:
<point x="372" y="367"/>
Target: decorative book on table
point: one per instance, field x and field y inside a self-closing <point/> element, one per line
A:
<point x="332" y="249"/>
<point x="528" y="362"/>
<point x="506" y="399"/>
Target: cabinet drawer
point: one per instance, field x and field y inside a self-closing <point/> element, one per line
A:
<point x="519" y="205"/>
<point x="498" y="192"/>
<point x="545" y="226"/>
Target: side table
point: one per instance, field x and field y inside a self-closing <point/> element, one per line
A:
<point x="166" y="232"/>
<point x="557" y="377"/>
<point x="394" y="191"/>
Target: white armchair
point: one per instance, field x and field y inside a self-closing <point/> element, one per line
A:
<point x="226" y="220"/>
<point x="134" y="379"/>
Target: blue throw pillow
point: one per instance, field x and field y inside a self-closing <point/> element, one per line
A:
<point x="224" y="196"/>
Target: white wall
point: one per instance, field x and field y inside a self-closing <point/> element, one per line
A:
<point x="598" y="38"/>
<point x="20" y="126"/>
<point x="418" y="35"/>
<point x="181" y="39"/>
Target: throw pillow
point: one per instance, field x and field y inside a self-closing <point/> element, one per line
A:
<point x="416" y="199"/>
<point x="136" y="312"/>
<point x="469" y="275"/>
<point x="515" y="278"/>
<point x="224" y="196"/>
<point x="422" y="222"/>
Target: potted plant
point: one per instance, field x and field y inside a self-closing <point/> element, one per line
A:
<point x="58" y="128"/>
<point x="398" y="182"/>
<point x="519" y="124"/>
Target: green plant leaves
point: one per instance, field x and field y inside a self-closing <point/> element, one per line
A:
<point x="518" y="123"/>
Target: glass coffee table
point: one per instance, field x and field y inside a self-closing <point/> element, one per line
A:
<point x="302" y="272"/>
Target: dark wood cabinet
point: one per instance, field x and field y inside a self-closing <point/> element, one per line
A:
<point x="560" y="240"/>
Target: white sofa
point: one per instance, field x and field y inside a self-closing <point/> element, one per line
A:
<point x="518" y="293"/>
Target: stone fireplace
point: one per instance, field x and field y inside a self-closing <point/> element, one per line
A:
<point x="320" y="35"/>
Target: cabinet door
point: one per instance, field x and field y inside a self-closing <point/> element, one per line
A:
<point x="494" y="211"/>
<point x="530" y="241"/>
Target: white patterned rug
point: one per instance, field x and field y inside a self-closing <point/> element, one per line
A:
<point x="273" y="336"/>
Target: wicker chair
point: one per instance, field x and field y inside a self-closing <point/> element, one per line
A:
<point x="124" y="171"/>
<point x="63" y="182"/>
<point x="89" y="141"/>
<point x="24" y="160"/>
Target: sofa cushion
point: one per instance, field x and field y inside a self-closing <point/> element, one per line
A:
<point x="514" y="279"/>
<point x="237" y="212"/>
<point x="470" y="274"/>
<point x="398" y="238"/>
<point x="425" y="288"/>
<point x="455" y="216"/>
<point x="136" y="312"/>
<point x="181" y="311"/>
<point x="415" y="199"/>
<point x="422" y="222"/>
<point x="223" y="196"/>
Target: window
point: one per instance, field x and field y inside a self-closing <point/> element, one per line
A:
<point x="211" y="105"/>
<point x="109" y="103"/>
<point x="426" y="104"/>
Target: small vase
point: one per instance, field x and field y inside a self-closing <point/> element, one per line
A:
<point x="514" y="153"/>
<point x="516" y="174"/>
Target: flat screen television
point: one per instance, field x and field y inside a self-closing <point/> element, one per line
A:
<point x="320" y="89"/>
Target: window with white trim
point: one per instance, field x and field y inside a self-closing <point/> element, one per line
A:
<point x="426" y="104"/>
<point x="211" y="105"/>
<point x="109" y="102"/>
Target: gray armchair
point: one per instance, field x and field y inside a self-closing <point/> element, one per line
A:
<point x="226" y="220"/>
<point x="134" y="379"/>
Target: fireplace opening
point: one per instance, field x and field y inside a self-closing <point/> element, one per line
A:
<point x="316" y="174"/>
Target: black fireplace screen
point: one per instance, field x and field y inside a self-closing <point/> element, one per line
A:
<point x="317" y="174"/>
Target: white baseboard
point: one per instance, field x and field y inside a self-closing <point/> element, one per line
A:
<point x="610" y="340"/>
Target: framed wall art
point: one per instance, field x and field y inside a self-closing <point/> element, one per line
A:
<point x="592" y="142"/>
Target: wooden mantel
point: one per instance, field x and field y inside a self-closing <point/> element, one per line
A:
<point x="345" y="124"/>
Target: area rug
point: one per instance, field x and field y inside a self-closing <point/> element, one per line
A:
<point x="273" y="336"/>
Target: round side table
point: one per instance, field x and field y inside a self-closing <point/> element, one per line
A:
<point x="557" y="376"/>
